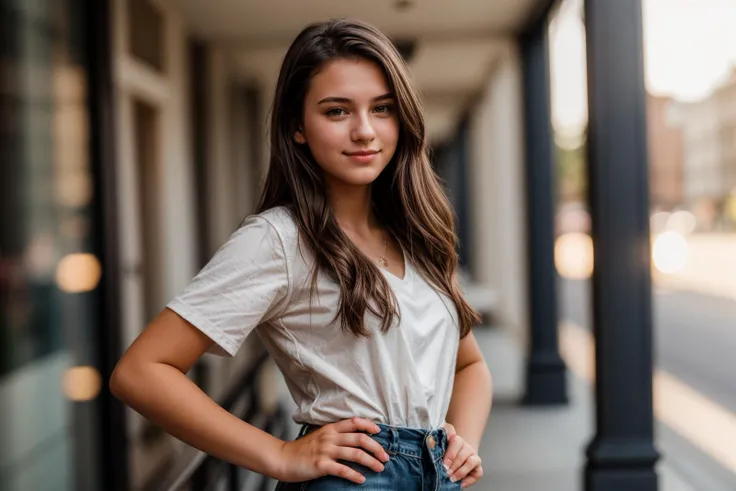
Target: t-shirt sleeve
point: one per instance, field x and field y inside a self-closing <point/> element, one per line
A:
<point x="244" y="284"/>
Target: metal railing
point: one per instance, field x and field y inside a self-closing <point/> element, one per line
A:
<point x="197" y="471"/>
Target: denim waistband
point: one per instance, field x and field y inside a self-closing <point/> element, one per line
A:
<point x="413" y="442"/>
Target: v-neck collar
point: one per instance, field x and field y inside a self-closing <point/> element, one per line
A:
<point x="408" y="273"/>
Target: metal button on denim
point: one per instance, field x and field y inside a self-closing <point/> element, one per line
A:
<point x="431" y="442"/>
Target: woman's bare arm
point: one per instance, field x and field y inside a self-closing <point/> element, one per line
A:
<point x="151" y="378"/>
<point x="472" y="393"/>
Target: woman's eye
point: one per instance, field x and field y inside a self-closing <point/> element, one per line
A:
<point x="383" y="109"/>
<point x="335" y="112"/>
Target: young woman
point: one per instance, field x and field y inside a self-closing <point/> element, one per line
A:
<point x="347" y="273"/>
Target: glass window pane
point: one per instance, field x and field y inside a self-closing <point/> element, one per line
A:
<point x="48" y="268"/>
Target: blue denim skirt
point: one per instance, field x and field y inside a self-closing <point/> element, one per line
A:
<point x="415" y="464"/>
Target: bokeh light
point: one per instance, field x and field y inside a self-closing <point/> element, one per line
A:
<point x="574" y="256"/>
<point x="82" y="383"/>
<point x="78" y="273"/>
<point x="670" y="252"/>
<point x="682" y="221"/>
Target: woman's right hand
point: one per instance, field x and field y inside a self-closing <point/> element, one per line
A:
<point x="317" y="454"/>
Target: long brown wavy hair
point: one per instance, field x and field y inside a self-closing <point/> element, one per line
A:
<point x="407" y="197"/>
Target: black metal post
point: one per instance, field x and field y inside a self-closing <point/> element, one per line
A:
<point x="545" y="371"/>
<point x="462" y="205"/>
<point x="622" y="453"/>
<point x="233" y="478"/>
<point x="114" y="471"/>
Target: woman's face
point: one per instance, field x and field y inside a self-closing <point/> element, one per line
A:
<point x="350" y="122"/>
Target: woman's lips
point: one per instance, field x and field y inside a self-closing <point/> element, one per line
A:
<point x="363" y="157"/>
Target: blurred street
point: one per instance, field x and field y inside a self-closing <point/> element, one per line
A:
<point x="695" y="336"/>
<point x="707" y="266"/>
<point x="694" y="329"/>
<point x="695" y="340"/>
<point x="694" y="316"/>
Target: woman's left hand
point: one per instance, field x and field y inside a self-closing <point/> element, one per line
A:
<point x="461" y="460"/>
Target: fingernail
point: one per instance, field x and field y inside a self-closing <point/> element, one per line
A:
<point x="447" y="462"/>
<point x="386" y="457"/>
<point x="447" y="467"/>
<point x="453" y="479"/>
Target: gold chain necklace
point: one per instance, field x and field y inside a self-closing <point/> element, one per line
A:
<point x="382" y="262"/>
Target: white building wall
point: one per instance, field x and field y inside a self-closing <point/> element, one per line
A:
<point x="222" y="220"/>
<point x="178" y="192"/>
<point x="229" y="180"/>
<point x="497" y="193"/>
<point x="169" y="92"/>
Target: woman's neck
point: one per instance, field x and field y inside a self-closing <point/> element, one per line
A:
<point x="352" y="206"/>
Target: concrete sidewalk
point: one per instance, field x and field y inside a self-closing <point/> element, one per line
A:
<point x="539" y="449"/>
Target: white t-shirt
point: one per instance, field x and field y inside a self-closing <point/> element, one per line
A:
<point x="261" y="278"/>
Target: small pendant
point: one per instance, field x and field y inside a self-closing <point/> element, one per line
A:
<point x="382" y="262"/>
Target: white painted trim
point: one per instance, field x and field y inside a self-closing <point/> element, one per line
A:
<point x="136" y="78"/>
<point x="129" y="226"/>
<point x="167" y="92"/>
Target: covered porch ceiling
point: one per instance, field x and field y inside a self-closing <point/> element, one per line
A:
<point x="456" y="42"/>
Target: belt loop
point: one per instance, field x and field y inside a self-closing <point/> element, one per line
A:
<point x="442" y="437"/>
<point x="303" y="431"/>
<point x="393" y="444"/>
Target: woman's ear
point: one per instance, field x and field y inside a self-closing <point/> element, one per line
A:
<point x="299" y="137"/>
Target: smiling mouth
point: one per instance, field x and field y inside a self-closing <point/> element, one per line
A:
<point x="362" y="153"/>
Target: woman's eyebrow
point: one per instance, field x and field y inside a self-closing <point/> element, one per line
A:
<point x="345" y="100"/>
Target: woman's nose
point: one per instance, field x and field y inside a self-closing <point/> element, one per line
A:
<point x="363" y="129"/>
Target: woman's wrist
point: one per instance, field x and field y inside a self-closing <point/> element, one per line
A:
<point x="269" y="458"/>
<point x="278" y="463"/>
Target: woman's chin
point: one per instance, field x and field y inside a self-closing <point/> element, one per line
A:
<point x="359" y="177"/>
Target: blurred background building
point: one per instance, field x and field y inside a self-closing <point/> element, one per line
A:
<point x="665" y="154"/>
<point x="133" y="141"/>
<point x="708" y="128"/>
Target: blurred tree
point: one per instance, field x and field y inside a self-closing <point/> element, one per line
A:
<point x="571" y="175"/>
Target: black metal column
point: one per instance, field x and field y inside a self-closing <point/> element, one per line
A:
<point x="113" y="443"/>
<point x="462" y="205"/>
<point x="545" y="371"/>
<point x="622" y="453"/>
